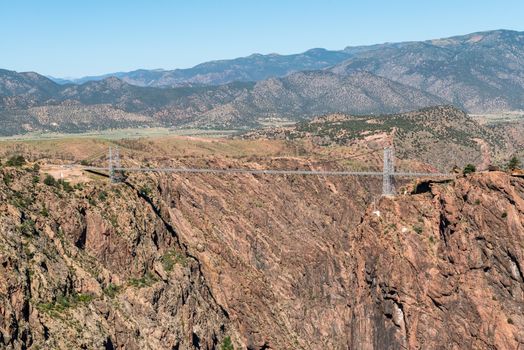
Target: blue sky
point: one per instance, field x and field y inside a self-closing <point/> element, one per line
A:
<point x="82" y="37"/>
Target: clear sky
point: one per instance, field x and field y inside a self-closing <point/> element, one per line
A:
<point x="73" y="38"/>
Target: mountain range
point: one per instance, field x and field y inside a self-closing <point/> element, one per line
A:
<point x="479" y="73"/>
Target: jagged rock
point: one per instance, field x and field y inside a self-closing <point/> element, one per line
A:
<point x="288" y="263"/>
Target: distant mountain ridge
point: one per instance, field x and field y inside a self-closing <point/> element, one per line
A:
<point x="258" y="67"/>
<point x="255" y="67"/>
<point x="480" y="73"/>
<point x="235" y="105"/>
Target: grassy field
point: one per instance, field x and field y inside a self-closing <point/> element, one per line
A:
<point x="116" y="134"/>
<point x="499" y="117"/>
<point x="203" y="150"/>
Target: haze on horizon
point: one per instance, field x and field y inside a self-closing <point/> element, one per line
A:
<point x="70" y="39"/>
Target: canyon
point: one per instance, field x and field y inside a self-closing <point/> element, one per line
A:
<point x="264" y="262"/>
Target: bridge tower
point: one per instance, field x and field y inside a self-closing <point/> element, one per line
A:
<point x="388" y="188"/>
<point x="114" y="165"/>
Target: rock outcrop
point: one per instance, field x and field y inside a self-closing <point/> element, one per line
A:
<point x="442" y="269"/>
<point x="96" y="267"/>
<point x="179" y="262"/>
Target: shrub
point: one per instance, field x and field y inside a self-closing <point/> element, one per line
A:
<point x="504" y="215"/>
<point x="418" y="229"/>
<point x="44" y="212"/>
<point x="66" y="186"/>
<point x="145" y="191"/>
<point x="102" y="196"/>
<point x="227" y="344"/>
<point x="27" y="228"/>
<point x="514" y="163"/>
<point x="8" y="178"/>
<point x="171" y="258"/>
<point x="16" y="161"/>
<point x="50" y="181"/>
<point x="111" y="290"/>
<point x="468" y="169"/>
<point x="146" y="281"/>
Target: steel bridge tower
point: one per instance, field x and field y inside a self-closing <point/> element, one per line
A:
<point x="115" y="174"/>
<point x="388" y="188"/>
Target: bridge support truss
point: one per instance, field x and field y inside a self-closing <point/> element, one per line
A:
<point x="114" y="163"/>
<point x="388" y="188"/>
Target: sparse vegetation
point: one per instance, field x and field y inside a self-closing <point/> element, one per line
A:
<point x="66" y="186"/>
<point x="20" y="201"/>
<point x="227" y="344"/>
<point x="63" y="184"/>
<point x="514" y="164"/>
<point x="469" y="168"/>
<point x="64" y="302"/>
<point x="16" y="161"/>
<point x="171" y="258"/>
<point x="112" y="290"/>
<point x="145" y="281"/>
<point x="418" y="229"/>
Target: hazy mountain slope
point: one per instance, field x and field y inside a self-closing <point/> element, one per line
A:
<point x="27" y="83"/>
<point x="25" y="89"/>
<point x="479" y="72"/>
<point x="241" y="104"/>
<point x="252" y="68"/>
<point x="305" y="94"/>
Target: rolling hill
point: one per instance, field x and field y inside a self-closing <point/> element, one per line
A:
<point x="443" y="136"/>
<point x="235" y="105"/>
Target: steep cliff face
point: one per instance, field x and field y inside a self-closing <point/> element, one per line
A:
<point x="285" y="262"/>
<point x="274" y="250"/>
<point x="442" y="269"/>
<point x="96" y="267"/>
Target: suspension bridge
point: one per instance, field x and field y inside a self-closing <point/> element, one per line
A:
<point x="388" y="173"/>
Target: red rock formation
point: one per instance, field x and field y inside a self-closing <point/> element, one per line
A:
<point x="442" y="269"/>
<point x="272" y="262"/>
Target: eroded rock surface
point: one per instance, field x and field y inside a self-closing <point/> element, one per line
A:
<point x="285" y="262"/>
<point x="96" y="267"/>
<point x="442" y="269"/>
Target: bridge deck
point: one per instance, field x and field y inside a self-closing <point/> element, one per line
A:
<point x="269" y="172"/>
